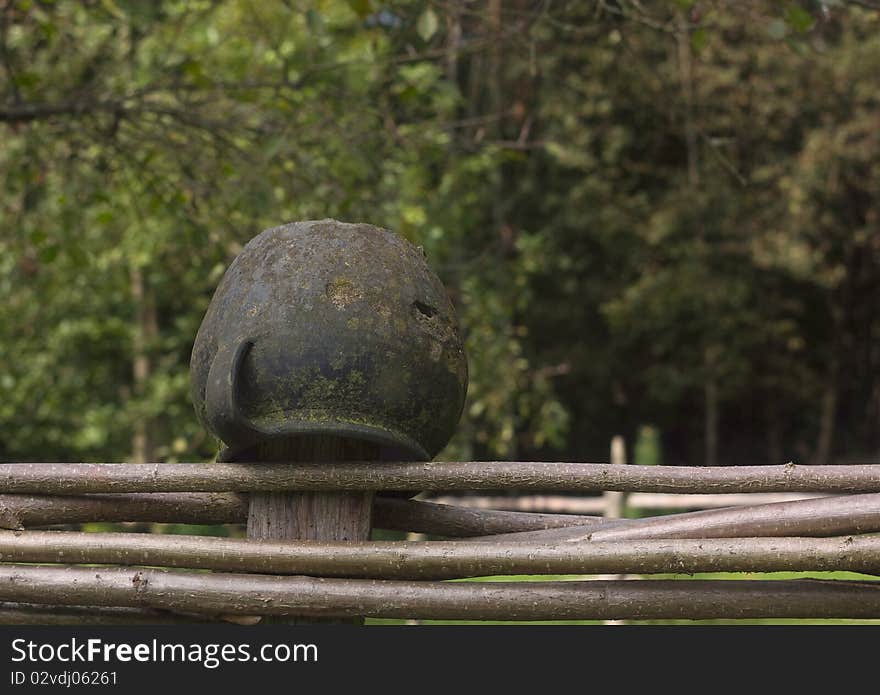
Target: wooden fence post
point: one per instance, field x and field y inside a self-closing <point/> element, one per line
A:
<point x="319" y="516"/>
<point x="615" y="502"/>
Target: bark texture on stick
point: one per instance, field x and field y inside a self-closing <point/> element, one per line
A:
<point x="461" y="522"/>
<point x="562" y="503"/>
<point x="825" y="516"/>
<point x="78" y="478"/>
<point x="26" y="511"/>
<point x="40" y="614"/>
<point x="21" y="511"/>
<point x="444" y="559"/>
<point x="589" y="600"/>
<point x="615" y="502"/>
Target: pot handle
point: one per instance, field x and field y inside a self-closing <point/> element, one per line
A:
<point x="222" y="412"/>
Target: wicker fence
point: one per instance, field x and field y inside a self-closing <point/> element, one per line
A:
<point x="51" y="575"/>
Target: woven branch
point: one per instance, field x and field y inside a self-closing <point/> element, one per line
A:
<point x="21" y="511"/>
<point x="78" y="478"/>
<point x="585" y="600"/>
<point x="39" y="614"/>
<point x="444" y="559"/>
<point x="825" y="516"/>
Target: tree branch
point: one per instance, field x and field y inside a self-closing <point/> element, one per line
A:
<point x="829" y="516"/>
<point x="444" y="559"/>
<point x="39" y="614"/>
<point x="78" y="478"/>
<point x="27" y="112"/>
<point x="28" y="511"/>
<point x="589" y="600"/>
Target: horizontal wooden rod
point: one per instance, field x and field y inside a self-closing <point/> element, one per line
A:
<point x="39" y="614"/>
<point x="560" y="503"/>
<point x="682" y="503"/>
<point x="579" y="600"/>
<point x="460" y="522"/>
<point x="27" y="511"/>
<point x="443" y="559"/>
<point x="77" y="478"/>
<point x="19" y="511"/>
<point x="824" y="516"/>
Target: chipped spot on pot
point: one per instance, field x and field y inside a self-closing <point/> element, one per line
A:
<point x="341" y="292"/>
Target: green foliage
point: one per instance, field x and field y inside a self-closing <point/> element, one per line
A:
<point x="616" y="229"/>
<point x="647" y="450"/>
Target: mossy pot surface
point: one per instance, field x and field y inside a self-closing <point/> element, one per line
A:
<point x="325" y="327"/>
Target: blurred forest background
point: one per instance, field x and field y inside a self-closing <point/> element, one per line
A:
<point x="656" y="219"/>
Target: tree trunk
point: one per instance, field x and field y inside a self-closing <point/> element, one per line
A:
<point x="146" y="330"/>
<point x="774" y="431"/>
<point x="827" y="416"/>
<point x="711" y="422"/>
<point x="453" y="40"/>
<point x="686" y="80"/>
<point x="686" y="77"/>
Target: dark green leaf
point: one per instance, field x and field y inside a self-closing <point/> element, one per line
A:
<point x="699" y="39"/>
<point x="363" y="8"/>
<point x="799" y="19"/>
<point x="47" y="254"/>
<point x="314" y="20"/>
